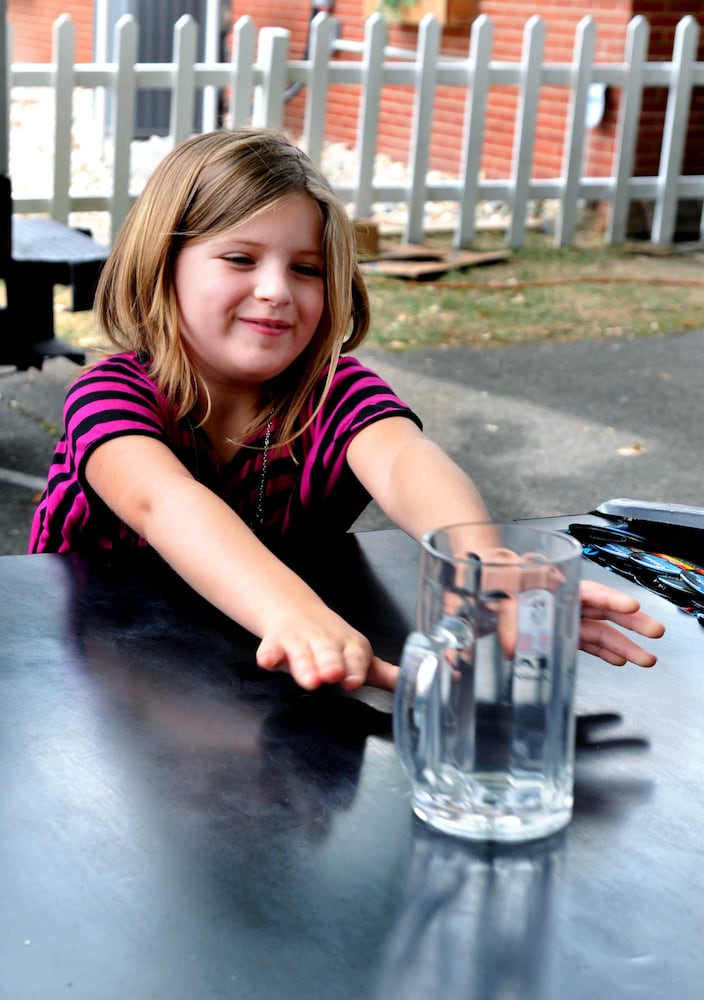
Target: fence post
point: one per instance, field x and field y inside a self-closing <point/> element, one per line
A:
<point x="526" y="117"/>
<point x="209" y="101"/>
<point x="480" y="44"/>
<point x="5" y="60"/>
<point x="183" y="87"/>
<point x="627" y="131"/>
<point x="369" y="108"/>
<point x="573" y="156"/>
<point x="244" y="37"/>
<point x="421" y="132"/>
<point x="271" y="78"/>
<point x="126" y="38"/>
<point x="318" y="84"/>
<point x="675" y="130"/>
<point x="64" y="43"/>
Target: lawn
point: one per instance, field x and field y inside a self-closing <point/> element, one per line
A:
<point x="544" y="293"/>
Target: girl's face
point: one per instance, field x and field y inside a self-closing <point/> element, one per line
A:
<point x="250" y="300"/>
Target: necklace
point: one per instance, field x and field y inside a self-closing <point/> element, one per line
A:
<point x="258" y="520"/>
<point x="259" y="515"/>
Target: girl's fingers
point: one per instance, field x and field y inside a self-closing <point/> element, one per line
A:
<point x="381" y="674"/>
<point x="294" y="658"/>
<point x="606" y="642"/>
<point x="637" y="621"/>
<point x="599" y="602"/>
<point x="269" y="655"/>
<point x="321" y="660"/>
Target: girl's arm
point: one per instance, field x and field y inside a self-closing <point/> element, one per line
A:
<point x="208" y="545"/>
<point x="420" y="488"/>
<point x="412" y="479"/>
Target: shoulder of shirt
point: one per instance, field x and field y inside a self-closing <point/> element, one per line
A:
<point x="127" y="366"/>
<point x="127" y="361"/>
<point x="348" y="364"/>
<point x="124" y="374"/>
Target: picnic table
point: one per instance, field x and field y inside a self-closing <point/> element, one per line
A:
<point x="36" y="254"/>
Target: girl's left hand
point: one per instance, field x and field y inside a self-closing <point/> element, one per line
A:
<point x="601" y="605"/>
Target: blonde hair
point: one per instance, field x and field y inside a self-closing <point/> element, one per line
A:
<point x="204" y="187"/>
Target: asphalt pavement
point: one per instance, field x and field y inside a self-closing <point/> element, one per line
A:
<point x="543" y="429"/>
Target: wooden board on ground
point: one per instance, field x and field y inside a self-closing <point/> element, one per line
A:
<point x="418" y="263"/>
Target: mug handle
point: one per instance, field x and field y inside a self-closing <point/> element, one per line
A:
<point x="416" y="716"/>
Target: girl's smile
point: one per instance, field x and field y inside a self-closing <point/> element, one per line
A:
<point x="250" y="300"/>
<point x="266" y="327"/>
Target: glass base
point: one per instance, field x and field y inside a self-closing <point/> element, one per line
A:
<point x="505" y="828"/>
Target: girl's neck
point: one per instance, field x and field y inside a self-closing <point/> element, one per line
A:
<point x="230" y="419"/>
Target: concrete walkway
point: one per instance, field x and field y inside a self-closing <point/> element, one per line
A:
<point x="543" y="429"/>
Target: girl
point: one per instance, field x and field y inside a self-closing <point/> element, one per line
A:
<point x="230" y="419"/>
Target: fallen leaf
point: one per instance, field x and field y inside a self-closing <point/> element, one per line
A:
<point x="635" y="449"/>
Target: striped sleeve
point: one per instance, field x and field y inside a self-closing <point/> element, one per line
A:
<point x="327" y="488"/>
<point x="110" y="400"/>
<point x="113" y="398"/>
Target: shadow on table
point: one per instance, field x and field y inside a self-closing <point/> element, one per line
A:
<point x="178" y="685"/>
<point x="599" y="789"/>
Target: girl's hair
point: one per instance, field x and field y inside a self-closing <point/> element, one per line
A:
<point x="202" y="188"/>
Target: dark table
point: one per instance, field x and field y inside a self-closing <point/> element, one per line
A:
<point x="176" y="824"/>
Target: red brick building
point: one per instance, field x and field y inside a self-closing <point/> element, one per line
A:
<point x="32" y="24"/>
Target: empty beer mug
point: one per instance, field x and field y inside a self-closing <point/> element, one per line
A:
<point x="484" y="706"/>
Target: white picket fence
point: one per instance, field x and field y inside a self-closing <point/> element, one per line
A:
<point x="260" y="72"/>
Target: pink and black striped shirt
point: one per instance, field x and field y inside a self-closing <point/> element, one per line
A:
<point x="118" y="396"/>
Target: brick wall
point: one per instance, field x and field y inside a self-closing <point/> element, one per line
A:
<point x="663" y="18"/>
<point x="32" y="21"/>
<point x="508" y="18"/>
<point x="561" y="19"/>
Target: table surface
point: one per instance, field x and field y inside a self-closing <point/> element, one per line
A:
<point x="49" y="241"/>
<point x="177" y="824"/>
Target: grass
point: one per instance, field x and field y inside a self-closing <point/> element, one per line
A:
<point x="542" y="293"/>
<point x="539" y="293"/>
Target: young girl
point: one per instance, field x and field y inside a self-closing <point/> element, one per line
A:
<point x="230" y="418"/>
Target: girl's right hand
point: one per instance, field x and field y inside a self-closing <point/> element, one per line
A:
<point x="321" y="649"/>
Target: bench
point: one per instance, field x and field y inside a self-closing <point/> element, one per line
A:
<point x="35" y="255"/>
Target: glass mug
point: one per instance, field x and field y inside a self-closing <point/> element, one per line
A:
<point x="484" y="705"/>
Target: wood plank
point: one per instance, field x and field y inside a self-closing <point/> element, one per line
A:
<point x="420" y="263"/>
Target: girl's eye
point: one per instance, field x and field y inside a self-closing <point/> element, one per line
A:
<point x="241" y="259"/>
<point x="310" y="270"/>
